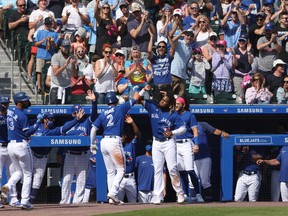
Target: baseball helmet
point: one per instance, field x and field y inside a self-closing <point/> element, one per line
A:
<point x="75" y="108"/>
<point x="21" y="96"/>
<point x="269" y="26"/>
<point x="111" y="98"/>
<point x="49" y="115"/>
<point x="148" y="148"/>
<point x="4" y="99"/>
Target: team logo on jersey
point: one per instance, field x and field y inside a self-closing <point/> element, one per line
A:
<point x="128" y="157"/>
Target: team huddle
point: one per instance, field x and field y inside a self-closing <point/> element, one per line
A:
<point x="174" y="142"/>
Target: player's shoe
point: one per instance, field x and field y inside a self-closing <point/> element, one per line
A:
<point x="26" y="206"/>
<point x="1" y="205"/>
<point x="16" y="204"/>
<point x="4" y="194"/>
<point x="180" y="198"/>
<point x="199" y="198"/>
<point x="114" y="199"/>
<point x="157" y="201"/>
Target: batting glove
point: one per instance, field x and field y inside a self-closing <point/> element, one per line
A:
<point x="93" y="148"/>
<point x="40" y="117"/>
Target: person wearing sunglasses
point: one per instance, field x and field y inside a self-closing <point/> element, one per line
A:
<point x="221" y="69"/>
<point x="105" y="74"/>
<point x="257" y="93"/>
<point x="106" y="27"/>
<point x="202" y="30"/>
<point x="7" y="5"/>
<point x="161" y="24"/>
<point x="193" y="9"/>
<point x="282" y="33"/>
<point x="282" y="92"/>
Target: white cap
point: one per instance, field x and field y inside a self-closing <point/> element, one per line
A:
<point x="213" y="34"/>
<point x="177" y="11"/>
<point x="278" y="62"/>
<point x="119" y="51"/>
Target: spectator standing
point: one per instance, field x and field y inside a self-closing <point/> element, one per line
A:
<point x="6" y="5"/>
<point x="138" y="29"/>
<point x="269" y="47"/>
<point x="106" y="26"/>
<point x="201" y="31"/>
<point x="74" y="16"/>
<point x="221" y="69"/>
<point x="162" y="24"/>
<point x="47" y="42"/>
<point x="175" y="27"/>
<point x="105" y="73"/>
<point x="18" y="20"/>
<point x="122" y="22"/>
<point x="196" y="69"/>
<point x="244" y="59"/>
<point x="189" y="21"/>
<point x="257" y="93"/>
<point x="282" y="95"/>
<point x="282" y="34"/>
<point x="233" y="28"/>
<point x="63" y="66"/>
<point x="183" y="52"/>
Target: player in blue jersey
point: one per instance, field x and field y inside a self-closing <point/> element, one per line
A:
<point x="166" y="124"/>
<point x="5" y="160"/>
<point x="281" y="159"/>
<point x="203" y="158"/>
<point x="129" y="140"/>
<point x="145" y="168"/>
<point x="186" y="148"/>
<point x="77" y="158"/>
<point x="112" y="121"/>
<point x="19" y="151"/>
<point x="47" y="128"/>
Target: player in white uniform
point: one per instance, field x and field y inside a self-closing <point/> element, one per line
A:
<point x="112" y="122"/>
<point x="165" y="124"/>
<point x="19" y="151"/>
<point x="186" y="148"/>
<point x="5" y="160"/>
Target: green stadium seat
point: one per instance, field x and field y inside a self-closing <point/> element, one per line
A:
<point x="199" y="98"/>
<point x="227" y="98"/>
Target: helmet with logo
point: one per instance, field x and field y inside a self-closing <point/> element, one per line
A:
<point x="75" y="108"/>
<point x="4" y="99"/>
<point x="48" y="115"/>
<point x="20" y="97"/>
<point x="111" y="98"/>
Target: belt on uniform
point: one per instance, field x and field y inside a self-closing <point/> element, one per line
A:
<point x="128" y="175"/>
<point x="17" y="141"/>
<point x="182" y="140"/>
<point x="249" y="172"/>
<point x="110" y="136"/>
<point x="39" y="156"/>
<point x="77" y="152"/>
<point x="162" y="140"/>
<point x="3" y="144"/>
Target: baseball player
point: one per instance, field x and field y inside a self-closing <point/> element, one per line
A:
<point x="203" y="158"/>
<point x="249" y="179"/>
<point x="282" y="160"/>
<point x="40" y="153"/>
<point x="5" y="160"/>
<point x="112" y="121"/>
<point x="91" y="177"/>
<point x="165" y="123"/>
<point x="77" y="158"/>
<point x="128" y="184"/>
<point x="186" y="148"/>
<point x="19" y="151"/>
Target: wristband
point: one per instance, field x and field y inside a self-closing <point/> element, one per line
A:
<point x="141" y="93"/>
<point x="196" y="140"/>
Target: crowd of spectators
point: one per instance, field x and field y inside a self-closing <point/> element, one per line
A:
<point x="185" y="46"/>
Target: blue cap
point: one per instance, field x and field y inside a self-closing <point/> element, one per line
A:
<point x="267" y="2"/>
<point x="20" y="97"/>
<point x="49" y="115"/>
<point x="148" y="148"/>
<point x="75" y="108"/>
<point x="4" y="99"/>
<point x="243" y="37"/>
<point x="269" y="26"/>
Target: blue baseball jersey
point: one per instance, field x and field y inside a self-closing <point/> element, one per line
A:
<point x="3" y="129"/>
<point x="145" y="167"/>
<point x="112" y="120"/>
<point x="130" y="155"/>
<point x="162" y="120"/>
<point x="190" y="122"/>
<point x="204" y="129"/>
<point x="247" y="163"/>
<point x="17" y="123"/>
<point x="283" y="159"/>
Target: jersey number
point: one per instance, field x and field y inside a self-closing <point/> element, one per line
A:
<point x="110" y="120"/>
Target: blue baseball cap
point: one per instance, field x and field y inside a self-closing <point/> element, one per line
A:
<point x="268" y="2"/>
<point x="49" y="115"/>
<point x="269" y="26"/>
<point x="75" y="108"/>
<point x="148" y="148"/>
